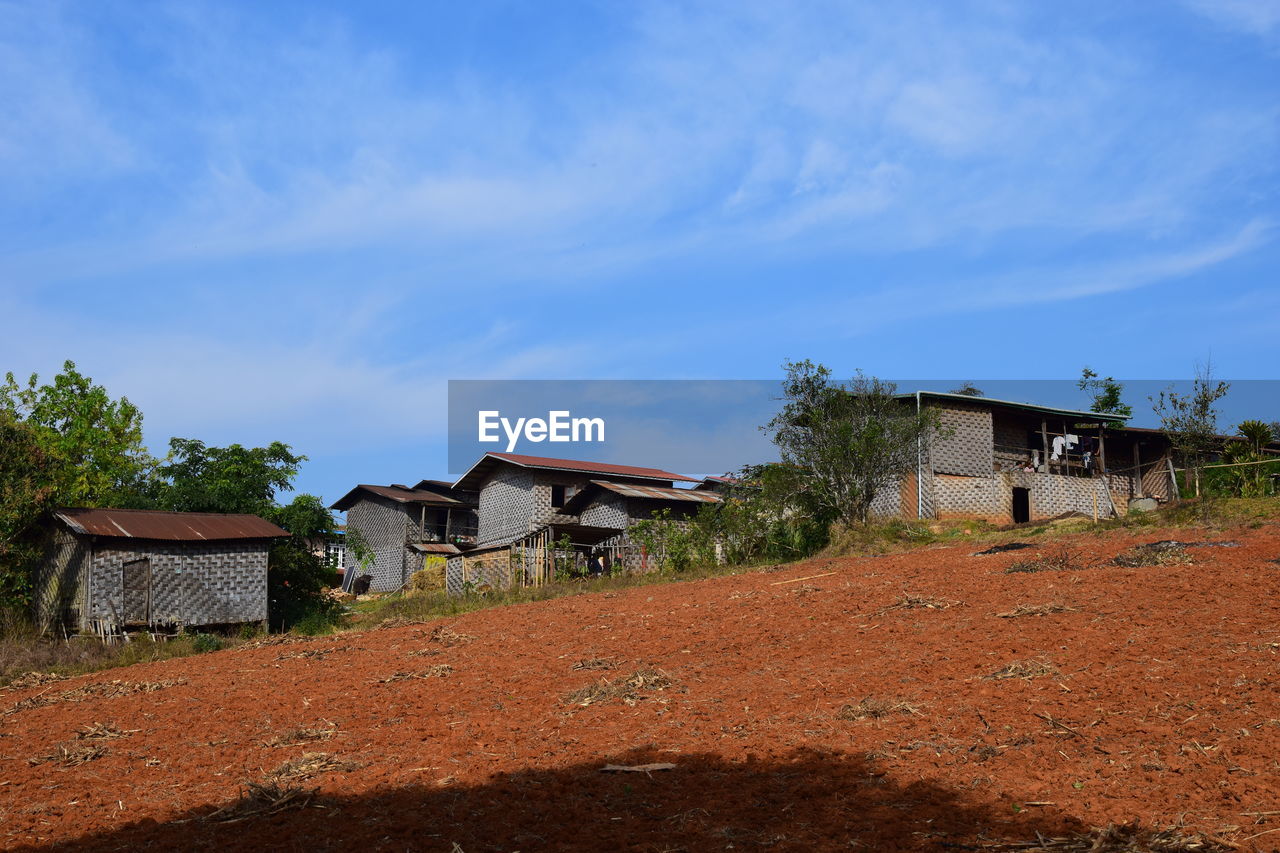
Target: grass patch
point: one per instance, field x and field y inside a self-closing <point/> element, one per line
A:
<point x="28" y="659"/>
<point x="1036" y="610"/>
<point x="873" y="708"/>
<point x="1024" y="669"/>
<point x="629" y="690"/>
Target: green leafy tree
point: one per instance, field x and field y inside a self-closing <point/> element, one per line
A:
<point x="967" y="389"/>
<point x="200" y="478"/>
<point x="1105" y="394"/>
<point x="846" y="442"/>
<point x="1191" y="420"/>
<point x="95" y="440"/>
<point x="29" y="477"/>
<point x="1252" y="476"/>
<point x="297" y="576"/>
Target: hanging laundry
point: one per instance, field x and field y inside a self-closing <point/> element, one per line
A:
<point x="1059" y="447"/>
<point x="1035" y="459"/>
<point x="1088" y="460"/>
<point x="1072" y="440"/>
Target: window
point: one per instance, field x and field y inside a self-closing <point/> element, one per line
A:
<point x="557" y="497"/>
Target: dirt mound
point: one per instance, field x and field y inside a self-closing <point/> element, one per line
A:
<point x="897" y="704"/>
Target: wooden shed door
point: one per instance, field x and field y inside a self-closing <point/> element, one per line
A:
<point x="136" y="582"/>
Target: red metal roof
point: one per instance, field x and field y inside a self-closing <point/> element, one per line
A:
<point x="591" y="467"/>
<point x="180" y="526"/>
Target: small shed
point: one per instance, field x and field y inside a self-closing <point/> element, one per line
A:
<point x="110" y="569"/>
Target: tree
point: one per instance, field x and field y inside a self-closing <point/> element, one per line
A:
<point x="298" y="576"/>
<point x="1105" y="394"/>
<point x="1191" y="420"/>
<point x="96" y="441"/>
<point x="1257" y="435"/>
<point x="199" y="478"/>
<point x="846" y="442"/>
<point x="968" y="389"/>
<point x="28" y="489"/>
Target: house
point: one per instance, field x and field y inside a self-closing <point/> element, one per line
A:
<point x="403" y="526"/>
<point x="110" y="569"/>
<point x="527" y="504"/>
<point x="1007" y="461"/>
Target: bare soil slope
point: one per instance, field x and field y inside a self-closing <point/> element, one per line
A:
<point x="864" y="703"/>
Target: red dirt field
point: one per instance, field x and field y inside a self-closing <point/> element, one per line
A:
<point x="1160" y="702"/>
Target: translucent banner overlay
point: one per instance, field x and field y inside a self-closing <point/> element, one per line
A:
<point x="708" y="427"/>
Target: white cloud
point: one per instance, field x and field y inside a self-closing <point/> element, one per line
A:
<point x="1259" y="17"/>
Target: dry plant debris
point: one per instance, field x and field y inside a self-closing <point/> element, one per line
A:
<point x="1123" y="838"/>
<point x="307" y="765"/>
<point x="302" y="734"/>
<point x="446" y="636"/>
<point x="919" y="602"/>
<point x="594" y="663"/>
<point x="398" y="622"/>
<point x="1167" y="553"/>
<point x="1065" y="559"/>
<point x="34" y="679"/>
<point x="440" y="670"/>
<point x="629" y="689"/>
<point x="1037" y="610"/>
<point x="871" y="708"/>
<point x="102" y="731"/>
<point x="108" y="690"/>
<point x="260" y="800"/>
<point x="1024" y="669"/>
<point x="71" y="754"/>
<point x="312" y="653"/>
<point x="275" y="640"/>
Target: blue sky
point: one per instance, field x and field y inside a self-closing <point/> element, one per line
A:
<point x="297" y="221"/>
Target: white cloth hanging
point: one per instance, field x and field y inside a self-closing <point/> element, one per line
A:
<point x="1059" y="447"/>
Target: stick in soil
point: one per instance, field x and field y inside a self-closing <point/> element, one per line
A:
<point x="299" y="735"/>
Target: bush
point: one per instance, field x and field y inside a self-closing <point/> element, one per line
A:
<point x="206" y="643"/>
<point x="322" y="620"/>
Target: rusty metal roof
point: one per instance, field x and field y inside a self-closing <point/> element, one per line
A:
<point x="472" y="478"/>
<point x="435" y="548"/>
<point x="397" y="493"/>
<point x="633" y="491"/>
<point x="179" y="526"/>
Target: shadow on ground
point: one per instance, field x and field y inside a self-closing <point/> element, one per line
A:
<point x="806" y="800"/>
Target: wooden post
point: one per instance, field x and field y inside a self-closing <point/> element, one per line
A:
<point x="1101" y="466"/>
<point x="1044" y="439"/>
<point x="1137" y="471"/>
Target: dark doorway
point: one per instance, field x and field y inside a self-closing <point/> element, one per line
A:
<point x="136" y="582"/>
<point x="1021" y="505"/>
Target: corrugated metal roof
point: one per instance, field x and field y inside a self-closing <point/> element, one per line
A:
<point x="472" y="477"/>
<point x="179" y="526"/>
<point x="435" y="548"/>
<point x="633" y="491"/>
<point x="399" y="494"/>
<point x="1013" y="404"/>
